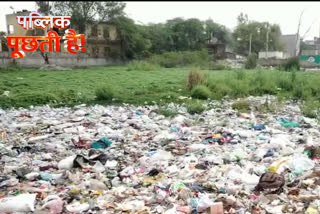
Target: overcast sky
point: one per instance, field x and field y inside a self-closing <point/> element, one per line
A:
<point x="286" y="14"/>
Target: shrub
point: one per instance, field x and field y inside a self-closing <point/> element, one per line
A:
<point x="201" y="92"/>
<point x="167" y="112"/>
<point x="195" y="107"/>
<point x="104" y="93"/>
<point x="195" y="77"/>
<point x="251" y="62"/>
<point x="241" y="106"/>
<point x="142" y="66"/>
<point x="285" y="84"/>
<point x="311" y="109"/>
<point x="292" y="64"/>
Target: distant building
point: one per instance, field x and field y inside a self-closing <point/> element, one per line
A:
<point x="14" y="29"/>
<point x="219" y="49"/>
<point x="101" y="40"/>
<point x="291" y="44"/>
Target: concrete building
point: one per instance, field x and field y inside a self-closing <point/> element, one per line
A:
<point x="101" y="40"/>
<point x="14" y="29"/>
<point x="291" y="44"/>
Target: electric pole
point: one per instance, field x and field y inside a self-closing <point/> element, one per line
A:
<point x="250" y="44"/>
<point x="267" y="45"/>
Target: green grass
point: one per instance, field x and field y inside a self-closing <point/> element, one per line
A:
<point x="58" y="88"/>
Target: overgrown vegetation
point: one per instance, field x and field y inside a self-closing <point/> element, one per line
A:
<point x="167" y="112"/>
<point x="89" y="85"/>
<point x="251" y="62"/>
<point x="195" y="106"/>
<point x="105" y="93"/>
<point x="292" y="64"/>
<point x="181" y="59"/>
<point x="201" y="92"/>
<point x="196" y="77"/>
<point x="241" y="106"/>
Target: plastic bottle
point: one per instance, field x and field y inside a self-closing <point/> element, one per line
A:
<point x="280" y="165"/>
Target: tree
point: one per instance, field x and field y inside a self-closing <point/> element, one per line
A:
<point x="242" y="18"/>
<point x="258" y="32"/>
<point x="86" y="12"/>
<point x="134" y="43"/>
<point x="3" y="40"/>
<point x="43" y="8"/>
<point x="218" y="31"/>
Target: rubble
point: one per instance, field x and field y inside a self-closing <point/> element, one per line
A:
<point x="129" y="159"/>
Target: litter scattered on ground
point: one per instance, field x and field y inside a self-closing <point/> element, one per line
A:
<point x="127" y="159"/>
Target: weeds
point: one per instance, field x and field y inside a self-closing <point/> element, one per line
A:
<point x="251" y="62"/>
<point x="104" y="93"/>
<point x="196" y="77"/>
<point x="241" y="106"/>
<point x="293" y="64"/>
<point x="201" y="92"/>
<point x="195" y="106"/>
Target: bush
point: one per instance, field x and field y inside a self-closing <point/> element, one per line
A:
<point x="195" y="77"/>
<point x="142" y="66"/>
<point x="104" y="93"/>
<point x="167" y="112"/>
<point x="251" y="62"/>
<point x="292" y="64"/>
<point x="311" y="109"/>
<point x="241" y="106"/>
<point x="181" y="58"/>
<point x="201" y="92"/>
<point x="195" y="107"/>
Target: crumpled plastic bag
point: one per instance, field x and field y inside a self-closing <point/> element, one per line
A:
<point x="20" y="203"/>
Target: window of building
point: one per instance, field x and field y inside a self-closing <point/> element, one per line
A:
<point x="94" y="30"/>
<point x="11" y="29"/>
<point x="106" y="34"/>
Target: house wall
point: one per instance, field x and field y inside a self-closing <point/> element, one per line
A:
<point x="34" y="59"/>
<point x="292" y="46"/>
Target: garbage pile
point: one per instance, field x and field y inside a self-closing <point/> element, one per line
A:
<point x="127" y="159"/>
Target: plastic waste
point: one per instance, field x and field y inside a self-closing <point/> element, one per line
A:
<point x="258" y="127"/>
<point x="280" y="165"/>
<point x="204" y="203"/>
<point x="77" y="207"/>
<point x="66" y="163"/>
<point x="216" y="208"/>
<point x="288" y="124"/>
<point x="101" y="143"/>
<point x="21" y="203"/>
<point x="54" y="203"/>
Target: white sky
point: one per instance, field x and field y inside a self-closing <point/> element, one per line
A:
<point x="286" y="14"/>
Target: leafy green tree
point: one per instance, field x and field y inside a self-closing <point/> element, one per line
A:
<point x="133" y="38"/>
<point x="258" y="32"/>
<point x="3" y="39"/>
<point x="218" y="31"/>
<point x="86" y="12"/>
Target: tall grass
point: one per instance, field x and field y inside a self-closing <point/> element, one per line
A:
<point x="237" y="84"/>
<point x="181" y="59"/>
<point x="196" y="77"/>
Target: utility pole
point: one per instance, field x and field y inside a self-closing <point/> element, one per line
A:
<point x="267" y="45"/>
<point x="250" y="44"/>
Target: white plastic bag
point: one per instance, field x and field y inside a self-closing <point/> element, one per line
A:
<point x="20" y="203"/>
<point x="66" y="163"/>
